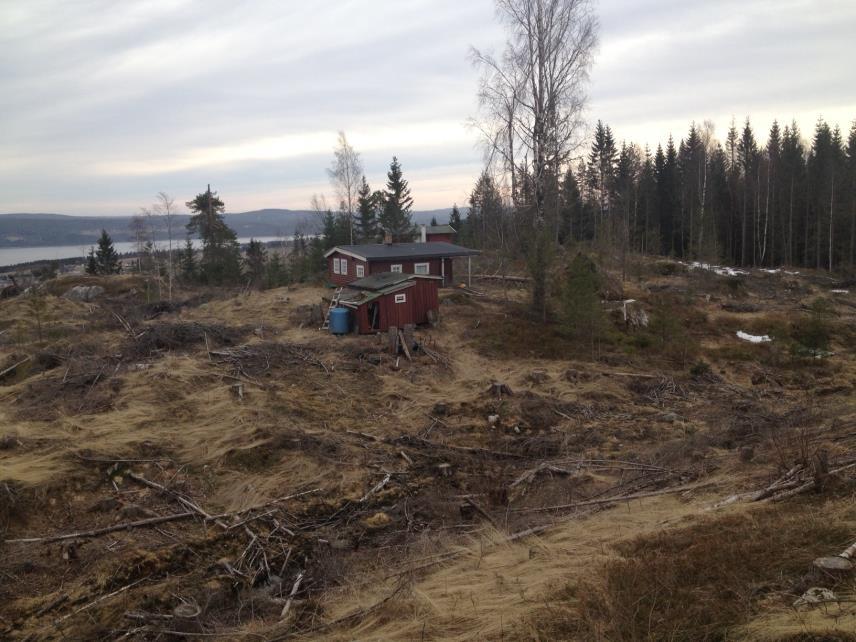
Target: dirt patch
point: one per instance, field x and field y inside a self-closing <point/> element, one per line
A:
<point x="163" y="337"/>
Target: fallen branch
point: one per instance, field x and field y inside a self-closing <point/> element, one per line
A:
<point x="612" y="500"/>
<point x="12" y="367"/>
<point x="151" y="521"/>
<point x="101" y="599"/>
<point x="377" y="487"/>
<point x="294" y="589"/>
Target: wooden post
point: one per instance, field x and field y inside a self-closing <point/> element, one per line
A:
<point x="469" y="271"/>
<point x="392" y="333"/>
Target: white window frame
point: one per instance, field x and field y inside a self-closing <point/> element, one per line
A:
<point x="401" y="298"/>
<point x="396" y="267"/>
<point x="361" y="271"/>
<point x="343" y="267"/>
<point x="336" y="269"/>
<point x="417" y="266"/>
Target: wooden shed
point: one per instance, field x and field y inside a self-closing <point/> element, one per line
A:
<point x="390" y="299"/>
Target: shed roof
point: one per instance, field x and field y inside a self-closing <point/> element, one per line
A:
<point x="382" y="251"/>
<point x="380" y="281"/>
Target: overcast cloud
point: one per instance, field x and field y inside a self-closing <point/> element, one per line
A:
<point x="105" y="103"/>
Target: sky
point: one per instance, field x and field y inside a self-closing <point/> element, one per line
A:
<point x="103" y="104"/>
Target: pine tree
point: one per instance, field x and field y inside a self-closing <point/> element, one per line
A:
<point x="367" y="214"/>
<point x="106" y="258"/>
<point x="221" y="254"/>
<point x="395" y="217"/>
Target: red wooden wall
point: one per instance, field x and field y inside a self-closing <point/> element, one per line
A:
<point x="377" y="266"/>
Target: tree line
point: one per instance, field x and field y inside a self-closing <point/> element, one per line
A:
<point x="786" y="201"/>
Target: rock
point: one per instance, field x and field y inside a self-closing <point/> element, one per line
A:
<point x="84" y="293"/>
<point x="105" y="505"/>
<point x="669" y="417"/>
<point x="440" y="409"/>
<point x="815" y="595"/>
<point x="538" y="376"/>
<point x="736" y="306"/>
<point x="576" y="376"/>
<point x="8" y="442"/>
<point x="135" y="511"/>
<point x="492" y="419"/>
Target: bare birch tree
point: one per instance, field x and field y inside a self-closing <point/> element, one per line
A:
<point x="345" y="175"/>
<point x="542" y="76"/>
<point x="165" y="206"/>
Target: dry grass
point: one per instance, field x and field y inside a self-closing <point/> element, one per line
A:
<point x="303" y="391"/>
<point x="704" y="581"/>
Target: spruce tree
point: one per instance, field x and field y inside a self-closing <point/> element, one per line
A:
<point x="91" y="262"/>
<point x="255" y="262"/>
<point x="850" y="184"/>
<point x="398" y="202"/>
<point x="106" y="258"/>
<point x="572" y="208"/>
<point x="187" y="260"/>
<point x="221" y="254"/>
<point x="455" y="218"/>
<point x="582" y="310"/>
<point x="602" y="159"/>
<point x="747" y="150"/>
<point x="367" y="213"/>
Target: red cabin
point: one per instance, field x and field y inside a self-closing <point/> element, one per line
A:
<point x="435" y="233"/>
<point x="390" y="299"/>
<point x="347" y="263"/>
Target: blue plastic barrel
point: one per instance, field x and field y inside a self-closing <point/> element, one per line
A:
<point x="340" y="321"/>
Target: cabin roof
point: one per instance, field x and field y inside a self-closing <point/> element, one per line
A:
<point x="440" y="229"/>
<point x="392" y="251"/>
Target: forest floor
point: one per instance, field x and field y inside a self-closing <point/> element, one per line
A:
<point x="217" y="467"/>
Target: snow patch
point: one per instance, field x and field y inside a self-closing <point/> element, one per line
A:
<point x="717" y="269"/>
<point x="752" y="338"/>
<point x="840" y="291"/>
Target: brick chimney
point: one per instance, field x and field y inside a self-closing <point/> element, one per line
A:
<point x="387" y="237"/>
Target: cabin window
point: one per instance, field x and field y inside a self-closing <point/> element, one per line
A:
<point x="421" y="268"/>
<point x="361" y="271"/>
<point x="336" y="266"/>
<point x="395" y="268"/>
<point x="401" y="298"/>
<point x="343" y="266"/>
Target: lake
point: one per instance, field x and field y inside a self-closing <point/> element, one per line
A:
<point x="15" y="255"/>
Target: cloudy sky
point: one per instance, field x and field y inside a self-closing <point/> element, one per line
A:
<point x="105" y="103"/>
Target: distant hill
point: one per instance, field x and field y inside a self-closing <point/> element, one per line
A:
<point x="41" y="230"/>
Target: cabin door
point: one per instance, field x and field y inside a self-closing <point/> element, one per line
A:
<point x="374" y="315"/>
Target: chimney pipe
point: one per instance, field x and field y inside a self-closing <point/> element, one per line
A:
<point x="424" y="232"/>
<point x="387" y="237"/>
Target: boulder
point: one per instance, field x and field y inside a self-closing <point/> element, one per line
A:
<point x="84" y="293"/>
